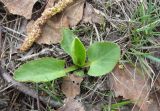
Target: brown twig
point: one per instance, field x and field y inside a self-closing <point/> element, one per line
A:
<point x="1" y="28"/>
<point x="26" y="90"/>
<point x="39" y="23"/>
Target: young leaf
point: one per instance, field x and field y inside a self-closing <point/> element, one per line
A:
<point x="102" y="56"/>
<point x="68" y="37"/>
<point x="41" y="70"/>
<point x="78" y="52"/>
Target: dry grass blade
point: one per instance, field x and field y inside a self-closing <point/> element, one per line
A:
<point x="37" y="27"/>
<point x="0" y="40"/>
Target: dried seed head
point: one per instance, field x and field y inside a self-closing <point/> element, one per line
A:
<point x="37" y="27"/>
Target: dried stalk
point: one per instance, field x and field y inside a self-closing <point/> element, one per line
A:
<point x="39" y="23"/>
<point x="0" y="40"/>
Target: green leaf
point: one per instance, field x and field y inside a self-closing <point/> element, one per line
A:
<point x="41" y="70"/>
<point x="152" y="57"/>
<point x="78" y="52"/>
<point x="68" y="37"/>
<point x="102" y="56"/>
<point x="116" y="105"/>
<point x="79" y="73"/>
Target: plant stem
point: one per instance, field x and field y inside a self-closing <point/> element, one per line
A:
<point x="72" y="68"/>
<point x="87" y="64"/>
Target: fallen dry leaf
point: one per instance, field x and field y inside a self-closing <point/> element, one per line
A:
<point x="72" y="105"/>
<point x="71" y="16"/>
<point x="131" y="84"/>
<point x="74" y="12"/>
<point x="51" y="30"/>
<point x="92" y="15"/>
<point x="37" y="27"/>
<point x="20" y="7"/>
<point x="71" y="85"/>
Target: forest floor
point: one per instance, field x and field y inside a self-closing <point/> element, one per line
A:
<point x="132" y="86"/>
